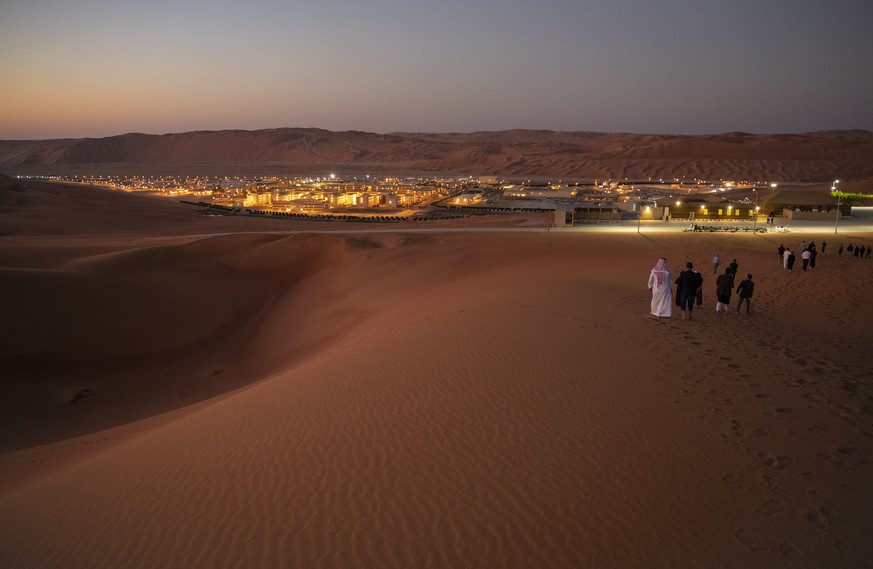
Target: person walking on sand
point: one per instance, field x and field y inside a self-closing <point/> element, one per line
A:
<point x="744" y="291"/>
<point x="789" y="259"/>
<point x="687" y="283"/>
<point x="868" y="251"/>
<point x="724" y="286"/>
<point x="733" y="267"/>
<point x="804" y="257"/>
<point x="698" y="296"/>
<point x="661" y="285"/>
<point x="824" y="245"/>
<point x="715" y="262"/>
<point x="781" y="252"/>
<point x="840" y="250"/>
<point x="813" y="253"/>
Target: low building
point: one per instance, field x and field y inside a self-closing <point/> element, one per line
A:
<point x="805" y="204"/>
<point x="254" y="199"/>
<point x="468" y="199"/>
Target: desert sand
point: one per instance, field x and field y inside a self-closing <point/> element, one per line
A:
<point x="811" y="157"/>
<point x="183" y="391"/>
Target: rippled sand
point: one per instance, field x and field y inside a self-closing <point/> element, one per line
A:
<point x="179" y="399"/>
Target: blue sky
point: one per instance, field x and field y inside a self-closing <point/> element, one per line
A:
<point x="99" y="68"/>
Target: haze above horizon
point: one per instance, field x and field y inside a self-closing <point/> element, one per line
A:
<point x="95" y="68"/>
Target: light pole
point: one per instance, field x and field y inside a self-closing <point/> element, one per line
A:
<point x="839" y="204"/>
<point x="755" y="225"/>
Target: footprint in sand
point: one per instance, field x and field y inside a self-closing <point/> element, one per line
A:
<point x="770" y="483"/>
<point x="749" y="541"/>
<point x="822" y="518"/>
<point x="760" y="432"/>
<point x="732" y="481"/>
<point x="816" y="397"/>
<point x="778" y="462"/>
<point x="772" y="508"/>
<point x="850" y="387"/>
<point x="786" y="548"/>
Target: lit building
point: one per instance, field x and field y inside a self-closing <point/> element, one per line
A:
<point x="254" y="199"/>
<point x="468" y="199"/>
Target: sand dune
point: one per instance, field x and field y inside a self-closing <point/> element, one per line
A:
<point x="426" y="400"/>
<point x="817" y="156"/>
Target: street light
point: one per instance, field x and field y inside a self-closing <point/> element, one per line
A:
<point x="640" y="216"/>
<point x="755" y="225"/>
<point x="839" y="204"/>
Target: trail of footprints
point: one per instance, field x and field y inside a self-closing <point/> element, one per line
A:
<point x="754" y="392"/>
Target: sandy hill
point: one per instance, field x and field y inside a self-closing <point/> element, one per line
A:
<point x="817" y="156"/>
<point x="184" y="391"/>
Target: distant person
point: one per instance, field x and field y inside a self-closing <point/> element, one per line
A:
<point x="781" y="252"/>
<point x="804" y="258"/>
<point x="724" y="286"/>
<point x="840" y="250"/>
<point x="661" y="285"/>
<point x="789" y="259"/>
<point x="716" y="261"/>
<point x="824" y="245"/>
<point x="733" y="268"/>
<point x="868" y="251"/>
<point x="858" y="251"/>
<point x="813" y="253"/>
<point x="850" y="249"/>
<point x="745" y="290"/>
<point x="803" y="246"/>
<point x="687" y="283"/>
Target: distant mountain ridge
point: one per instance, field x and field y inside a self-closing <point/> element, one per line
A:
<point x="814" y="157"/>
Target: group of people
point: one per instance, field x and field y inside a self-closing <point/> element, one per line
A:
<point x="808" y="254"/>
<point x="689" y="289"/>
<point x="859" y="251"/>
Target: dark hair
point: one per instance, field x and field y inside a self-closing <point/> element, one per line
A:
<point x="749" y="277"/>
<point x="689" y="264"/>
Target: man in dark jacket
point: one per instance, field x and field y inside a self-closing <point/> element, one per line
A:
<point x="724" y="286"/>
<point x="687" y="283"/>
<point x="745" y="290"/>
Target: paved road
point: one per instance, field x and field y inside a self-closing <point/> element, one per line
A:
<point x="860" y="222"/>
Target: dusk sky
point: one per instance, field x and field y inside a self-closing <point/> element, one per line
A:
<point x="93" y="68"/>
